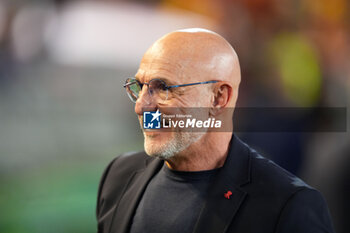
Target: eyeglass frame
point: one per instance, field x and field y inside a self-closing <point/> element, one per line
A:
<point x="166" y="86"/>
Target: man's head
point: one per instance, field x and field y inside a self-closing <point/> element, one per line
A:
<point x="182" y="57"/>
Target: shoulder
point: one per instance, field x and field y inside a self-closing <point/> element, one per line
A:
<point x="305" y="211"/>
<point x="283" y="198"/>
<point x="116" y="175"/>
<point x="126" y="163"/>
<point x="272" y="186"/>
<point x="267" y="174"/>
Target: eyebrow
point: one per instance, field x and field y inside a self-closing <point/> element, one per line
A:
<point x="166" y="80"/>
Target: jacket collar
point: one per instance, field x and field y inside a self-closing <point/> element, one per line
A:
<point x="237" y="164"/>
<point x="219" y="211"/>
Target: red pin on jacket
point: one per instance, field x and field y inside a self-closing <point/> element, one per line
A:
<point x="228" y="194"/>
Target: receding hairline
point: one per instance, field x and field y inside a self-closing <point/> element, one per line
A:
<point x="197" y="34"/>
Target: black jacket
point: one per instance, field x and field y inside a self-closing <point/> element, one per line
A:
<point x="265" y="198"/>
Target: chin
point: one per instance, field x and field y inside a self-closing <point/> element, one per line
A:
<point x="167" y="146"/>
<point x="158" y="145"/>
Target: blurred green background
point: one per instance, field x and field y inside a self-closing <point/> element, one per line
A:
<point x="64" y="113"/>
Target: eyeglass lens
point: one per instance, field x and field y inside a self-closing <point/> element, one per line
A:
<point x="156" y="88"/>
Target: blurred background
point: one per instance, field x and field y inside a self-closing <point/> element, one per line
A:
<point x="64" y="113"/>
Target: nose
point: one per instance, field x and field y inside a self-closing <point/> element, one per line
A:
<point x="145" y="102"/>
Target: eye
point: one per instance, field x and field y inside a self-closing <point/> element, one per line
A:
<point x="157" y="84"/>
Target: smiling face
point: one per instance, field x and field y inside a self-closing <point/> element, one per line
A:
<point x="172" y="71"/>
<point x="181" y="58"/>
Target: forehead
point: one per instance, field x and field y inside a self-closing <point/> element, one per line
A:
<point x="160" y="67"/>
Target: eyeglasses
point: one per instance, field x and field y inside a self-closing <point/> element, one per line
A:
<point x="157" y="88"/>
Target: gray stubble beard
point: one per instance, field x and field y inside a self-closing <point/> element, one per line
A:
<point x="179" y="143"/>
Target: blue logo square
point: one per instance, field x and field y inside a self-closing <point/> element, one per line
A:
<point x="151" y="120"/>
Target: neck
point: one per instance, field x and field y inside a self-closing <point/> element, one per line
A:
<point x="208" y="153"/>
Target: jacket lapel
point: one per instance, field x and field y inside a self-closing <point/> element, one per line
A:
<point x="132" y="195"/>
<point x="219" y="211"/>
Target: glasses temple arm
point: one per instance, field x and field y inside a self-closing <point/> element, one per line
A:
<point x="191" y="84"/>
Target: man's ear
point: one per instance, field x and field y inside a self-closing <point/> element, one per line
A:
<point x="222" y="96"/>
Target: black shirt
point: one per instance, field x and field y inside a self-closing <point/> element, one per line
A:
<point x="172" y="201"/>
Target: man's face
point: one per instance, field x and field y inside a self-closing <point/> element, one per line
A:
<point x="173" y="71"/>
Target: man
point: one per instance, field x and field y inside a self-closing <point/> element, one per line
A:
<point x="199" y="181"/>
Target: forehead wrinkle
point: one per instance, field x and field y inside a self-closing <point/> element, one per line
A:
<point x="161" y="67"/>
<point x="164" y="61"/>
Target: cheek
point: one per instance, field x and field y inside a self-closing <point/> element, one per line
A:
<point x="202" y="96"/>
<point x="208" y="96"/>
<point x="187" y="100"/>
<point x="175" y="102"/>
